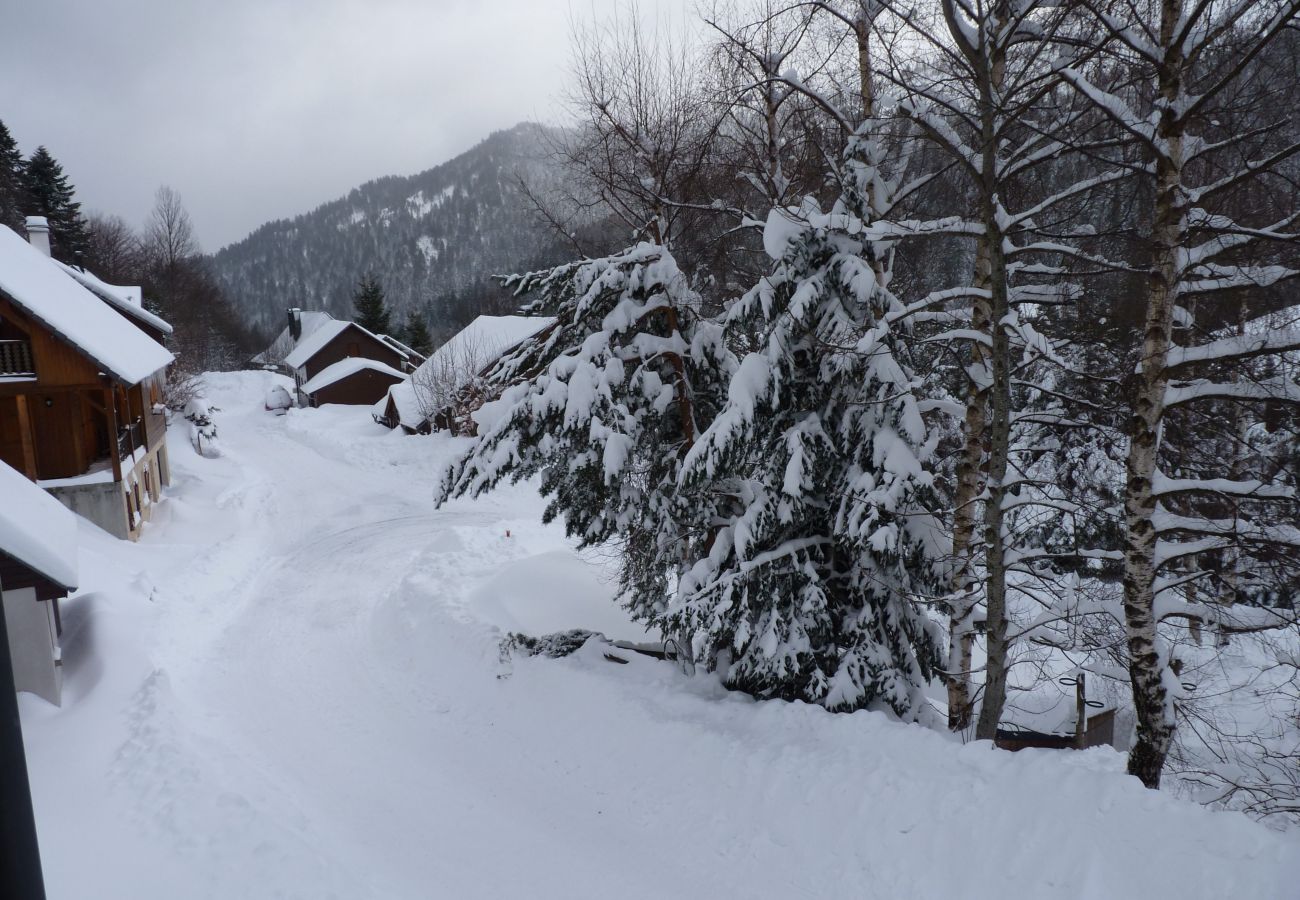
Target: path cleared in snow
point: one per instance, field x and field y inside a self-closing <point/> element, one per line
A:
<point x="291" y="688"/>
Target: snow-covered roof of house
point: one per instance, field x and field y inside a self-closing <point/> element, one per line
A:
<point x="48" y="294"/>
<point x="404" y="401"/>
<point x="309" y="320"/>
<point x="312" y="344"/>
<point x="401" y="348"/>
<point x="344" y="368"/>
<point x="127" y="298"/>
<point x="468" y="351"/>
<point x="37" y="530"/>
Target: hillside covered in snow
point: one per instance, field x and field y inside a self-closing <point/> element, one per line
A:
<point x="292" y="687"/>
<point x="431" y="236"/>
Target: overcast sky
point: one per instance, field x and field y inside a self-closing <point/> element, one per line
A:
<point x="262" y="109"/>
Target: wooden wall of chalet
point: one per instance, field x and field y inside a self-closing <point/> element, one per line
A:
<point x="348" y="343"/>
<point x="68" y="438"/>
<point x="363" y="387"/>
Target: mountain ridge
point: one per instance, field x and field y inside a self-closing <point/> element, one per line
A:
<point x="433" y="238"/>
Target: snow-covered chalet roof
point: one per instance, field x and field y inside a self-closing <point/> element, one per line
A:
<point x="312" y="344"/>
<point x="309" y="320"/>
<point x="344" y="368"/>
<point x="404" y="400"/>
<point x="36" y="529"/>
<point x="127" y="298"/>
<point x="44" y="291"/>
<point x="401" y="348"/>
<point x="478" y="344"/>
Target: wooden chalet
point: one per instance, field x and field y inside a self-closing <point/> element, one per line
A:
<point x="81" y="389"/>
<point x="335" y="341"/>
<point x="355" y="381"/>
<point x="38" y="567"/>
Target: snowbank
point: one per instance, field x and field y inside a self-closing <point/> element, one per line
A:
<point x="291" y="687"/>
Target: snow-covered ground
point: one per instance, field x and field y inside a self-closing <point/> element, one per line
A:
<point x="290" y="687"/>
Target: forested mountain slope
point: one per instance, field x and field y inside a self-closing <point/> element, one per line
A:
<point x="433" y="239"/>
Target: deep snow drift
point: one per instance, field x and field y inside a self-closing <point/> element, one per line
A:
<point x="291" y="688"/>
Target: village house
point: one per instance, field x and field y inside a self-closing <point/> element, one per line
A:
<point x="38" y="567"/>
<point x="341" y="362"/>
<point x="81" y="386"/>
<point x="356" y="380"/>
<point x="446" y="389"/>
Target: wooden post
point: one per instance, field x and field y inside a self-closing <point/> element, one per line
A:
<point x="1081" y="711"/>
<point x="111" y="406"/>
<point x="25" y="435"/>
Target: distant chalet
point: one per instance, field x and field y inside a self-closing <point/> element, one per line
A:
<point x="82" y="373"/>
<point x="341" y="362"/>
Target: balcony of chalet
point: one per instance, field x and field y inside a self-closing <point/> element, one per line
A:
<point x="16" y="359"/>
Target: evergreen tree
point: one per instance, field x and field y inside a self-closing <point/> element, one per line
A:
<point x="368" y="301"/>
<point x="808" y="590"/>
<point x="11" y="181"/>
<point x="49" y="194"/>
<point x="605" y="406"/>
<point x="416" y="335"/>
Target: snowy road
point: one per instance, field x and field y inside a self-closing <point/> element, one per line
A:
<point x="291" y="688"/>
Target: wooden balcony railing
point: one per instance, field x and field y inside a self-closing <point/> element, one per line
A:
<point x="129" y="438"/>
<point x="16" y="359"/>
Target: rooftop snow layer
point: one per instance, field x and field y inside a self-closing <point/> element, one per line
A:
<point x="401" y="348"/>
<point x="45" y="292"/>
<point x="309" y="319"/>
<point x="466" y="352"/>
<point x="311" y="344"/>
<point x="36" y="529"/>
<point x="126" y="298"/>
<point x="404" y="399"/>
<point x="345" y="367"/>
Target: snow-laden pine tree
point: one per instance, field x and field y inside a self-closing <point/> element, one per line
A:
<point x="604" y="406"/>
<point x="12" y="197"/>
<point x="47" y="192"/>
<point x="810" y="587"/>
<point x="372" y="312"/>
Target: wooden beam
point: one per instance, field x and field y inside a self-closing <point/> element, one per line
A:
<point x="130" y="434"/>
<point x="78" y="430"/>
<point x="25" y="435"/>
<point x="18" y="388"/>
<point x="112" y="433"/>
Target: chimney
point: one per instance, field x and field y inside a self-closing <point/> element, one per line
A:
<point x="38" y="232"/>
<point x="295" y="323"/>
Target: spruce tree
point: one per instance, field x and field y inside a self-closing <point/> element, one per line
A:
<point x="416" y="334"/>
<point x="605" y="406"/>
<point x="49" y="194"/>
<point x="12" y="196"/>
<point x="368" y="301"/>
<point x="808" y="592"/>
